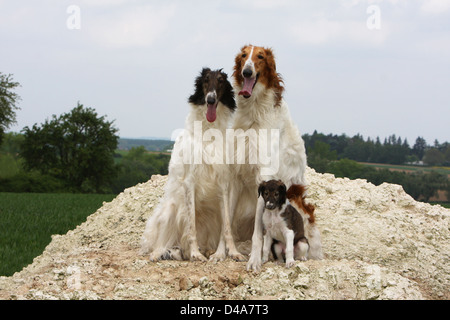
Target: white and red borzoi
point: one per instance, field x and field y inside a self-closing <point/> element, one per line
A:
<point x="194" y="213"/>
<point x="260" y="105"/>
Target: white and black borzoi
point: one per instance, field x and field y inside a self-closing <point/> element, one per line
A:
<point x="194" y="212"/>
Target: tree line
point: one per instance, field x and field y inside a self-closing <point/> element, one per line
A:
<point x="393" y="150"/>
<point x="341" y="156"/>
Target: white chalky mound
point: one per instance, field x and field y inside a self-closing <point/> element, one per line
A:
<point x="378" y="242"/>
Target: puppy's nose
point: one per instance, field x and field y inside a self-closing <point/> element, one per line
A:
<point x="247" y="73"/>
<point x="270" y="205"/>
<point x="211" y="100"/>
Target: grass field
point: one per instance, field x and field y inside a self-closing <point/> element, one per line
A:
<point x="27" y="221"/>
<point x="408" y="168"/>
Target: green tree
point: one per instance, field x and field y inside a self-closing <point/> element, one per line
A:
<point x="419" y="147"/>
<point x="137" y="166"/>
<point x="431" y="183"/>
<point x="8" y="103"/>
<point x="320" y="156"/>
<point x="447" y="156"/>
<point x="77" y="147"/>
<point x="433" y="157"/>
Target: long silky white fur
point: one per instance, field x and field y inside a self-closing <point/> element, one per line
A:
<point x="168" y="226"/>
<point x="259" y="112"/>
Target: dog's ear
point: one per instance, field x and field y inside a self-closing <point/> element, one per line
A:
<point x="261" y="188"/>
<point x="198" y="98"/>
<point x="281" y="187"/>
<point x="228" y="94"/>
<point x="282" y="191"/>
<point x="205" y="71"/>
<point x="271" y="73"/>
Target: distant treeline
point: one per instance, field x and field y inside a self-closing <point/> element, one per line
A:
<point x="326" y="153"/>
<point x="339" y="155"/>
<point x="393" y="150"/>
<point x="149" y="145"/>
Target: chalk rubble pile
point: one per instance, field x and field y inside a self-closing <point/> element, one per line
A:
<point x="378" y="243"/>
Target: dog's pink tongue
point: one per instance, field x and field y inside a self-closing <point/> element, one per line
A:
<point x="248" y="87"/>
<point x="211" y="112"/>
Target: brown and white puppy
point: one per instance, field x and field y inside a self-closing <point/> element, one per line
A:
<point x="283" y="225"/>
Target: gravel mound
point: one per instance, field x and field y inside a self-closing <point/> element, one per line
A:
<point x="378" y="243"/>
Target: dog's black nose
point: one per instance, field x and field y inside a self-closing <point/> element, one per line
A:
<point x="247" y="73"/>
<point x="210" y="100"/>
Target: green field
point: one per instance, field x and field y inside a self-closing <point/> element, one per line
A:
<point x="408" y="168"/>
<point x="27" y="221"/>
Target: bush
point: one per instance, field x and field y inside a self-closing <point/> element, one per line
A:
<point x="138" y="166"/>
<point x="33" y="182"/>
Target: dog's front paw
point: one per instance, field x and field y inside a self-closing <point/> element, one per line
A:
<point x="254" y="264"/>
<point x="154" y="257"/>
<point x="290" y="263"/>
<point x="157" y="254"/>
<point x="217" y="256"/>
<point x="237" y="256"/>
<point x="197" y="256"/>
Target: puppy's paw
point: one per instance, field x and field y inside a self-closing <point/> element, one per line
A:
<point x="290" y="263"/>
<point x="254" y="264"/>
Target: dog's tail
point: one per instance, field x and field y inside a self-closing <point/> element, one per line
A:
<point x="297" y="193"/>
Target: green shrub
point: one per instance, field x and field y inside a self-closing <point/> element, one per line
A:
<point x="32" y="182"/>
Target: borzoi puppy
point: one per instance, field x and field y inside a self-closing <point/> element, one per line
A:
<point x="283" y="225"/>
<point x="194" y="212"/>
<point x="260" y="105"/>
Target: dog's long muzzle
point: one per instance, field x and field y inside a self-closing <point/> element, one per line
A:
<point x="211" y="102"/>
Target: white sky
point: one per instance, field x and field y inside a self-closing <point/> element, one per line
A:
<point x="135" y="61"/>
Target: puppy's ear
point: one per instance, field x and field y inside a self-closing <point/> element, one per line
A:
<point x="261" y="188"/>
<point x="282" y="191"/>
<point x="282" y="187"/>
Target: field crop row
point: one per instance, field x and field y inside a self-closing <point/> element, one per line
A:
<point x="27" y="221"/>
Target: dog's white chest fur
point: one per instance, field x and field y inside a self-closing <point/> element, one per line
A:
<point x="275" y="224"/>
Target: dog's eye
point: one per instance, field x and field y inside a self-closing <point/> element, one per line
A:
<point x="266" y="193"/>
<point x="260" y="56"/>
<point x="244" y="55"/>
<point x="277" y="194"/>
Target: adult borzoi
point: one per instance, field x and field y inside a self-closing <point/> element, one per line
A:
<point x="194" y="212"/>
<point x="260" y="105"/>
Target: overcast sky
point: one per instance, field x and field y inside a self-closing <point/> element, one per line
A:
<point x="350" y="66"/>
